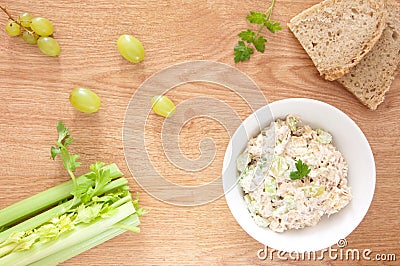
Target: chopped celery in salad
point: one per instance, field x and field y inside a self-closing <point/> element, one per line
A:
<point x="303" y="176"/>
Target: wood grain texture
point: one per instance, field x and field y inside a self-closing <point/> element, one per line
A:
<point x="34" y="96"/>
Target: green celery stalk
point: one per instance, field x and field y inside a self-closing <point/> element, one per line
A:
<point x="65" y="254"/>
<point x="43" y="200"/>
<point x="56" y="211"/>
<point x="36" y="203"/>
<point x="80" y="234"/>
<point x="121" y="201"/>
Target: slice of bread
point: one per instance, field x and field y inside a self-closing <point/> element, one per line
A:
<point x="372" y="77"/>
<point x="337" y="34"/>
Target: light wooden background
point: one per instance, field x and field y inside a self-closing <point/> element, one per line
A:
<point x="34" y="96"/>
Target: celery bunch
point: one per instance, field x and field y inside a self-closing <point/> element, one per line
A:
<point x="70" y="218"/>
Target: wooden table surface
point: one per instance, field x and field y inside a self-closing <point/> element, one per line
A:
<point x="34" y="96"/>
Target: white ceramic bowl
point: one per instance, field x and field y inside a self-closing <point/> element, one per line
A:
<point x="349" y="140"/>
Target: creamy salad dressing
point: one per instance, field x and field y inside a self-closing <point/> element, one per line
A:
<point x="275" y="200"/>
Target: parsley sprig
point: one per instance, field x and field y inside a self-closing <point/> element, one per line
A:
<point x="248" y="38"/>
<point x="302" y="171"/>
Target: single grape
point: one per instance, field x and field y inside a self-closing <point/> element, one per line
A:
<point x="84" y="100"/>
<point x="48" y="46"/>
<point x="13" y="29"/>
<point x="130" y="48"/>
<point x="29" y="38"/>
<point x="25" y="19"/>
<point x="163" y="106"/>
<point x="42" y="26"/>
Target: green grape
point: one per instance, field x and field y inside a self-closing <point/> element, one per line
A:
<point x="84" y="100"/>
<point x="13" y="29"/>
<point x="163" y="106"/>
<point x="29" y="38"/>
<point x="48" y="46"/>
<point x="25" y="19"/>
<point x="130" y="48"/>
<point x="42" y="26"/>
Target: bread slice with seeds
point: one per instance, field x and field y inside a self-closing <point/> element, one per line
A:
<point x="373" y="76"/>
<point x="337" y="34"/>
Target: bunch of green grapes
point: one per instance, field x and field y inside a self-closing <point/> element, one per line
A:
<point x="34" y="30"/>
